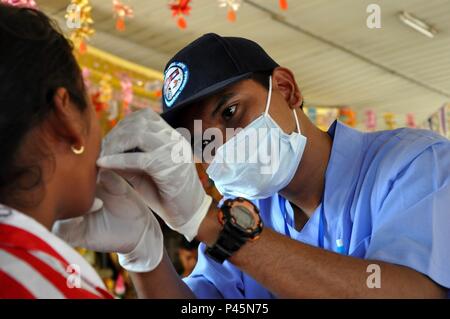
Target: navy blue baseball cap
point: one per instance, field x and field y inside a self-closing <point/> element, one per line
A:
<point x="206" y="66"/>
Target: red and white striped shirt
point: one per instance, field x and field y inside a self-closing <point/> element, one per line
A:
<point x="34" y="263"/>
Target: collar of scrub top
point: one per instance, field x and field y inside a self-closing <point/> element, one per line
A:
<point x="321" y="232"/>
<point x="321" y="239"/>
<point x="347" y="147"/>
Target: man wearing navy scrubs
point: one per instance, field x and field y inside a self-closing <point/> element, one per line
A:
<point x="358" y="204"/>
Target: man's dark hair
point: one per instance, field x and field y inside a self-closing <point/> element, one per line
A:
<point x="35" y="60"/>
<point x="262" y="78"/>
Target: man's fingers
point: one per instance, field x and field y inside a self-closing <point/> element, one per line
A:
<point x="117" y="143"/>
<point x="112" y="184"/>
<point x="70" y="230"/>
<point x="133" y="162"/>
<point x="146" y="187"/>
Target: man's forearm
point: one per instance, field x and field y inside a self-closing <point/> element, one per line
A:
<point x="162" y="282"/>
<point x="291" y="269"/>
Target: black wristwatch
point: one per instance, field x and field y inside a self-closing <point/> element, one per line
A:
<point x="241" y="223"/>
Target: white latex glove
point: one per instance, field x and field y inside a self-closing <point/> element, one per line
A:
<point x="170" y="186"/>
<point x="123" y="224"/>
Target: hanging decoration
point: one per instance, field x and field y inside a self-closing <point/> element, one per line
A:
<point x="232" y="7"/>
<point x="127" y="90"/>
<point x="105" y="89"/>
<point x="389" y="120"/>
<point x="127" y="93"/>
<point x="283" y="4"/>
<point x="347" y="116"/>
<point x="21" y="3"/>
<point x="433" y="123"/>
<point x="180" y="8"/>
<point x="78" y="17"/>
<point x="113" y="114"/>
<point x="117" y="87"/>
<point x="370" y="122"/>
<point x="324" y="116"/>
<point x="410" y="120"/>
<point x="321" y="116"/>
<point x="121" y="11"/>
<point x="98" y="104"/>
<point x="439" y="122"/>
<point x="154" y="86"/>
<point x="443" y="120"/>
<point x="86" y="74"/>
<point x="120" y="288"/>
<point x="312" y="114"/>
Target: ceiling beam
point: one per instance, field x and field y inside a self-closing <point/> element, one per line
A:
<point x="282" y="20"/>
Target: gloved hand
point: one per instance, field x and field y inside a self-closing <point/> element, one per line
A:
<point x="123" y="224"/>
<point x="168" y="182"/>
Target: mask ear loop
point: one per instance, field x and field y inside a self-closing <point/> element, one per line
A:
<point x="297" y="122"/>
<point x="269" y="97"/>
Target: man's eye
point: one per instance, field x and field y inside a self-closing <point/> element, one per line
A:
<point x="229" y="111"/>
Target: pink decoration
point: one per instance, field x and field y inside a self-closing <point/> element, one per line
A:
<point x="371" y="120"/>
<point x="21" y="3"/>
<point x="410" y="120"/>
<point x="443" y="119"/>
<point x="86" y="73"/>
<point x="127" y="93"/>
<point x="120" y="289"/>
<point x="127" y="90"/>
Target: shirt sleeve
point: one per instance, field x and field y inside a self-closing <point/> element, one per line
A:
<point x="211" y="280"/>
<point x="412" y="225"/>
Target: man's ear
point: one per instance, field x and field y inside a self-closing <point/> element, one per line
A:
<point x="66" y="120"/>
<point x="284" y="81"/>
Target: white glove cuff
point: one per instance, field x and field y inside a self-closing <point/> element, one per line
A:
<point x="190" y="229"/>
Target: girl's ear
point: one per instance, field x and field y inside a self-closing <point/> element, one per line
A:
<point x="66" y="122"/>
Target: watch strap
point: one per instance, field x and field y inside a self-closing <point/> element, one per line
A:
<point x="229" y="241"/>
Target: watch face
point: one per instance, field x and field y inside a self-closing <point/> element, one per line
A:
<point x="243" y="217"/>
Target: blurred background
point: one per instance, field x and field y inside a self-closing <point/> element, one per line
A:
<point x="338" y="61"/>
<point x="372" y="64"/>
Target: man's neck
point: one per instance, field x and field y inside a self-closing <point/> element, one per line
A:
<point x="306" y="189"/>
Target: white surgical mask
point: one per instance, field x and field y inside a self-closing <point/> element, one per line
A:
<point x="258" y="161"/>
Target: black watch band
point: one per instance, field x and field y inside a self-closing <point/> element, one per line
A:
<point x="229" y="241"/>
<point x="241" y="223"/>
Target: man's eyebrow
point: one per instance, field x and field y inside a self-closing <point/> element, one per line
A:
<point x="222" y="101"/>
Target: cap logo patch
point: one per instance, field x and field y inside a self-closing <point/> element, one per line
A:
<point x="175" y="79"/>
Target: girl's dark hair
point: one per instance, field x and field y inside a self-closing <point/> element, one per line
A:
<point x="35" y="60"/>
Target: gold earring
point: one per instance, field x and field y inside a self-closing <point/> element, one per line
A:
<point x="77" y="151"/>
